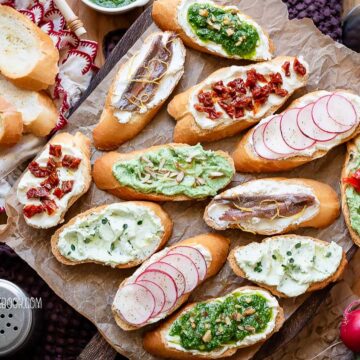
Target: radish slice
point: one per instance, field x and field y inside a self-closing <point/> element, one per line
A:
<point x="135" y="302"/>
<point x="323" y="120"/>
<point x="166" y="282"/>
<point x="184" y="264"/>
<point x="173" y="272"/>
<point x="341" y="110"/>
<point x="309" y="128"/>
<point x="158" y="294"/>
<point x="259" y="146"/>
<point x="195" y="255"/>
<point x="291" y="132"/>
<point x="273" y="139"/>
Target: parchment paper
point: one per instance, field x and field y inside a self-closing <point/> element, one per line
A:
<point x="90" y="289"/>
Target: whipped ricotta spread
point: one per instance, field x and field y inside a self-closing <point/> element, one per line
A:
<point x="290" y="264"/>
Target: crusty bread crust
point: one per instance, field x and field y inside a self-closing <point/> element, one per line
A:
<point x="246" y="160"/>
<point x="216" y="244"/>
<point x="164" y="14"/>
<point x="164" y="218"/>
<point x="155" y="340"/>
<point x="352" y="147"/>
<point x="12" y="124"/>
<point x="109" y="133"/>
<point x="313" y="287"/>
<point x="105" y="180"/>
<point x="189" y="132"/>
<point x="44" y="72"/>
<point x="329" y="206"/>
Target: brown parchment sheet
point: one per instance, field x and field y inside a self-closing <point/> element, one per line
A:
<point x="90" y="289"/>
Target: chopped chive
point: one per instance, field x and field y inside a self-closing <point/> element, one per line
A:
<point x="274" y="257"/>
<point x="72" y="247"/>
<point x="289" y="253"/>
<point x="125" y="226"/>
<point x="140" y="222"/>
<point x="298" y="245"/>
<point x="328" y="254"/>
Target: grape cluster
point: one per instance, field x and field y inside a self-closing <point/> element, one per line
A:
<point x="64" y="333"/>
<point x="326" y="14"/>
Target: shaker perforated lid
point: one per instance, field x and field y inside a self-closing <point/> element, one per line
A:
<point x="16" y="318"/>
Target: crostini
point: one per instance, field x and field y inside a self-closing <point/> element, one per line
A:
<point x="234" y="98"/>
<point x="39" y="113"/>
<point x="59" y="176"/>
<point x="139" y="89"/>
<point x="121" y="235"/>
<point x="213" y="28"/>
<point x="171" y="172"/>
<point x="28" y="56"/>
<point x="11" y="124"/>
<point x="218" y="327"/>
<point x="274" y="206"/>
<point x="350" y="189"/>
<point x="164" y="282"/>
<point x="289" y="265"/>
<point x="307" y="130"/>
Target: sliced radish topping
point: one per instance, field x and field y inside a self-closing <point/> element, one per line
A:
<point x="158" y="294"/>
<point x="273" y="139"/>
<point x="173" y="272"/>
<point x="309" y="128"/>
<point x="291" y="133"/>
<point x="135" y="302"/>
<point x="322" y="118"/>
<point x="195" y="255"/>
<point x="184" y="264"/>
<point x="259" y="146"/>
<point x="166" y="282"/>
<point x="341" y="110"/>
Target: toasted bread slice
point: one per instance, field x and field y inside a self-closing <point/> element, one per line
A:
<point x="28" y="56"/>
<point x="313" y="287"/>
<point x="105" y="180"/>
<point x="327" y="203"/>
<point x="155" y="340"/>
<point x="216" y="245"/>
<point x="166" y="15"/>
<point x="155" y="208"/>
<point x="11" y="124"/>
<point x="247" y="160"/>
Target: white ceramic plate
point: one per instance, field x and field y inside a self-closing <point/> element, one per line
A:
<point x="115" y="10"/>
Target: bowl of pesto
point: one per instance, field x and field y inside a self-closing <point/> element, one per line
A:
<point x="114" y="6"/>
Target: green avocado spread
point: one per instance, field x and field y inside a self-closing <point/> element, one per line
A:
<point x="352" y="196"/>
<point x="224" y="321"/>
<point x="113" y="3"/>
<point x="176" y="170"/>
<point x="223" y="27"/>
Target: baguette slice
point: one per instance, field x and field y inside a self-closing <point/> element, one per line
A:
<point x="155" y="341"/>
<point x="28" y="56"/>
<point x="72" y="145"/>
<point x="158" y="212"/>
<point x="105" y="180"/>
<point x="168" y="15"/>
<point x="11" y="124"/>
<point x="319" y="215"/>
<point x="118" y="126"/>
<point x="189" y="128"/>
<point x="273" y="289"/>
<point x="247" y="160"/>
<point x="216" y="245"/>
<point x="352" y="153"/>
<point x="38" y="111"/>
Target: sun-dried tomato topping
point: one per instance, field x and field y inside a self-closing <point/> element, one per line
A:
<point x="261" y="78"/>
<point x="211" y="111"/>
<point x="299" y="68"/>
<point x="55" y="150"/>
<point x="238" y="85"/>
<point x="37" y="170"/>
<point x="251" y="78"/>
<point x="286" y="68"/>
<point x="219" y="88"/>
<point x="58" y="193"/>
<point x="281" y="92"/>
<point x="242" y="102"/>
<point x="71" y="162"/>
<point x="276" y="79"/>
<point x="261" y="94"/>
<point x="51" y="164"/>
<point x="51" y="182"/>
<point x="67" y="186"/>
<point x="205" y="98"/>
<point x="31" y="210"/>
<point x="49" y="205"/>
<point x="37" y="193"/>
<point x="353" y="180"/>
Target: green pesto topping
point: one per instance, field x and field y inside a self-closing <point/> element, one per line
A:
<point x="180" y="170"/>
<point x="224" y="27"/>
<point x="211" y="325"/>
